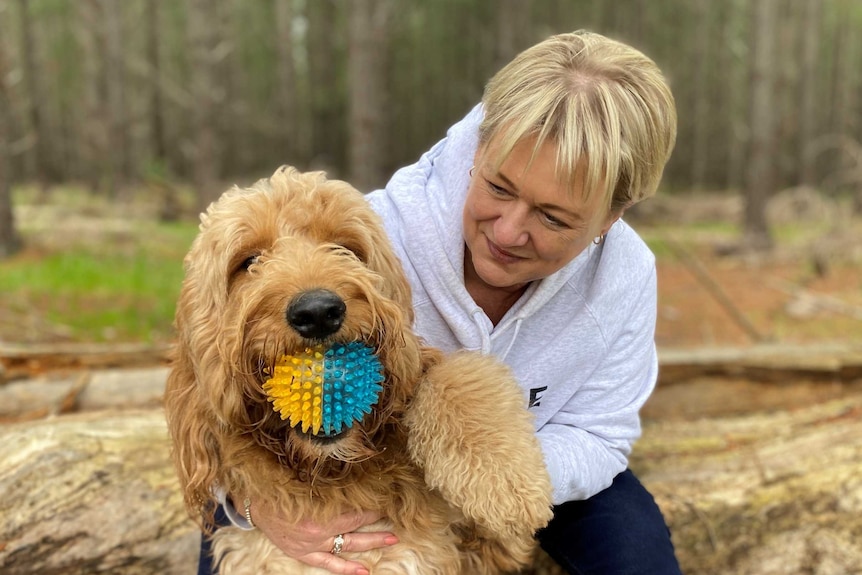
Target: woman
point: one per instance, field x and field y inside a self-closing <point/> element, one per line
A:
<point x="509" y="230"/>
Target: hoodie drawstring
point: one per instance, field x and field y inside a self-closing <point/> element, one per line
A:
<point x="478" y="316"/>
<point x="479" y="320"/>
<point x="518" y="323"/>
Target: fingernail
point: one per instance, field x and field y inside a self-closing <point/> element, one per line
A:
<point x="391" y="540"/>
<point x="363" y="571"/>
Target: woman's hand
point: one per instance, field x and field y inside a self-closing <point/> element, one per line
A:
<point x="312" y="543"/>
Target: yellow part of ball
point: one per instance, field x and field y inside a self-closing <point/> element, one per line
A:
<point x="295" y="388"/>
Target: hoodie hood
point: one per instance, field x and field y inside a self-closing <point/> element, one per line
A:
<point x="422" y="205"/>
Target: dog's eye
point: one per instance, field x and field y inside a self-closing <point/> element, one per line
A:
<point x="248" y="262"/>
<point x="347" y="251"/>
<point x="359" y="253"/>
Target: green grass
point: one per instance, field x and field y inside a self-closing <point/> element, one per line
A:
<point x="109" y="290"/>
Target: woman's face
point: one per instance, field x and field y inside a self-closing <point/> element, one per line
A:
<point x="521" y="226"/>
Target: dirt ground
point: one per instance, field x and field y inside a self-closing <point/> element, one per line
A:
<point x="712" y="292"/>
<point x="777" y="301"/>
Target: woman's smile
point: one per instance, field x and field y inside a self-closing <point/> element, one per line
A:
<point x="502" y="255"/>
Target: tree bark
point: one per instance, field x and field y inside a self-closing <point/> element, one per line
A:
<point x="326" y="90"/>
<point x="734" y="93"/>
<point x="80" y="391"/>
<point x="202" y="43"/>
<point x="10" y="242"/>
<point x="762" y="494"/>
<point x="808" y="87"/>
<point x="96" y="152"/>
<point x="89" y="493"/>
<point x="512" y="33"/>
<point x="760" y="173"/>
<point x="700" y="94"/>
<point x="156" y="112"/>
<point x="368" y="93"/>
<point x="118" y="117"/>
<point x="294" y="141"/>
<point x="39" y="160"/>
<point x="764" y="489"/>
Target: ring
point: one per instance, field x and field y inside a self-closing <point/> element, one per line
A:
<point x="337" y="543"/>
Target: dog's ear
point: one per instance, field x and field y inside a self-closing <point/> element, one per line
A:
<point x="195" y="450"/>
<point x="382" y="259"/>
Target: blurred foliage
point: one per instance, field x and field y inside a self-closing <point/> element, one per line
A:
<point x="102" y="88"/>
<point x="95" y="287"/>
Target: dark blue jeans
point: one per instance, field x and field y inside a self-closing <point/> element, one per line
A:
<point x="619" y="531"/>
<point x="205" y="561"/>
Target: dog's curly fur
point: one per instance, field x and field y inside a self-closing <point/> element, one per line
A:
<point x="448" y="454"/>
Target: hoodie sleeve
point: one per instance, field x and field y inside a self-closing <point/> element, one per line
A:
<point x="587" y="443"/>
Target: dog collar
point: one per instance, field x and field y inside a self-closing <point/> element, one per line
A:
<point x="325" y="389"/>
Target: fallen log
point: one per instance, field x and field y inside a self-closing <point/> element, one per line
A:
<point x="761" y="494"/>
<point x="774" y="362"/>
<point x="22" y="361"/>
<point x="83" y="390"/>
<point x="92" y="493"/>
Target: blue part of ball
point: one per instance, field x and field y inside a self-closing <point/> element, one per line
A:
<point x="352" y="384"/>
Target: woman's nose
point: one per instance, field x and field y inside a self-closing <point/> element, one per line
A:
<point x="510" y="228"/>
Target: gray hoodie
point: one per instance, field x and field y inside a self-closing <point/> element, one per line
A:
<point x="580" y="342"/>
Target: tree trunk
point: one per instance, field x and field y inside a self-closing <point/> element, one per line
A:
<point x="202" y="43"/>
<point x="10" y="243"/>
<point x="39" y="164"/>
<point x="808" y="88"/>
<point x="103" y="389"/>
<point x="735" y="93"/>
<point x="156" y="112"/>
<point x="786" y="104"/>
<point x="326" y="91"/>
<point x="512" y="34"/>
<point x="118" y="120"/>
<point x="760" y="173"/>
<point x="235" y="144"/>
<point x="96" y="153"/>
<point x="294" y="139"/>
<point x="700" y="95"/>
<point x="847" y="71"/>
<point x="368" y="94"/>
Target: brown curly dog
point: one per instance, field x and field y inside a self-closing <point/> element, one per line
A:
<point x="448" y="452"/>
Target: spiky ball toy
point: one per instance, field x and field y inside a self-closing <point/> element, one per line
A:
<point x="325" y="389"/>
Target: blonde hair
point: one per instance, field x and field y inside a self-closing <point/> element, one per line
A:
<point x="606" y="106"/>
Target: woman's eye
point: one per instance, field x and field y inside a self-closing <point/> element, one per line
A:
<point x="497" y="190"/>
<point x="553" y="222"/>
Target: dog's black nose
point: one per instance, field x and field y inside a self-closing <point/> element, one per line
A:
<point x="316" y="314"/>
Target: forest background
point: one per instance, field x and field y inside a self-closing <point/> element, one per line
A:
<point x="149" y="109"/>
<point x="112" y="94"/>
<point x="121" y="119"/>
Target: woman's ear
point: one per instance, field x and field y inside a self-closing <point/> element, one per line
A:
<point x="611" y="220"/>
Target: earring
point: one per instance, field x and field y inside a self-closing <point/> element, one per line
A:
<point x="473" y="169"/>
<point x="599" y="239"/>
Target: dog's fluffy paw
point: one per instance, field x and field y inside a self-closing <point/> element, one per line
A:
<point x="473" y="436"/>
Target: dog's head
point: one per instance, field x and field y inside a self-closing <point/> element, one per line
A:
<point x="293" y="261"/>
